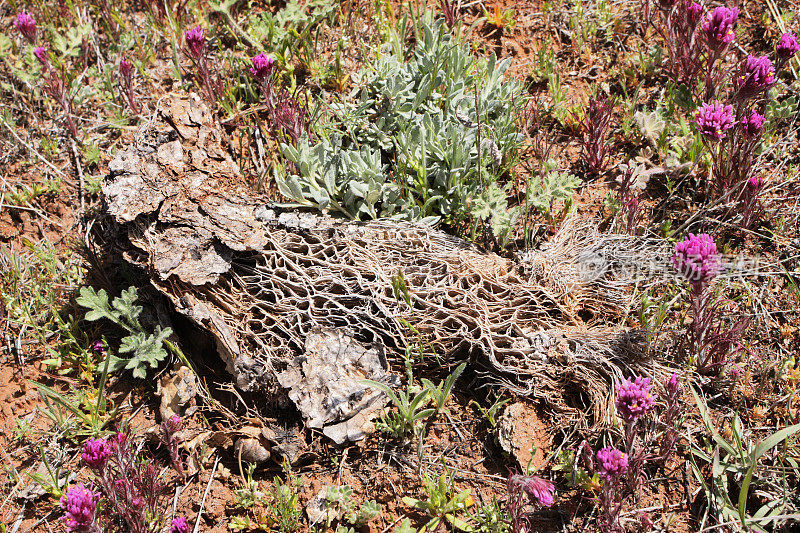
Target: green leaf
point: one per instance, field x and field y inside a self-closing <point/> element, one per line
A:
<point x="147" y="350"/>
<point x="125" y="307"/>
<point x="706" y="417"/>
<point x="417" y="400"/>
<point x="458" y="523"/>
<point x="405" y="527"/>
<point x="400" y="288"/>
<point x="97" y="303"/>
<point x="415" y="503"/>
<point x="425" y="413"/>
<point x="763" y="447"/>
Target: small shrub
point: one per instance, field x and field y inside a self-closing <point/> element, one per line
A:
<point x="612" y="466"/>
<point x="426" y="138"/>
<point x="57" y="85"/>
<point x="208" y="77"/>
<point x="634" y="399"/>
<point x="288" y="114"/>
<point x="444" y="505"/>
<point x="678" y="23"/>
<point x="127" y="84"/>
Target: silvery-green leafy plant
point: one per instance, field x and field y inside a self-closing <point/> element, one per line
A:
<point x="422" y="139"/>
<point x="340" y="497"/>
<point x="146" y="349"/>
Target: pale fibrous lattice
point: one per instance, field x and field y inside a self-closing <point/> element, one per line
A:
<point x="261" y="279"/>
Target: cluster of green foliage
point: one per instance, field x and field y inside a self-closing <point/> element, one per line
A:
<point x="276" y="509"/>
<point x="735" y="470"/>
<point x="338" y="499"/>
<point x="444" y="504"/>
<point x="146" y="349"/>
<point x="420" y="139"/>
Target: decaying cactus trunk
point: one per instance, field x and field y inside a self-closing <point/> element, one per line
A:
<point x="262" y="280"/>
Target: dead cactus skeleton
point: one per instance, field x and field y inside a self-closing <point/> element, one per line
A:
<point x="261" y="279"/>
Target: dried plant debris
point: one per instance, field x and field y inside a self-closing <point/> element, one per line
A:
<point x="264" y="281"/>
<point x="522" y="435"/>
<point x="177" y="391"/>
<point x="327" y="384"/>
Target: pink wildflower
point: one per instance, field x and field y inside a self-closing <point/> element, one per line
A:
<point x="693" y="12"/>
<point x="26" y="26"/>
<point x="787" y="46"/>
<point x="41" y="54"/>
<point x="757" y="75"/>
<point x="262" y="67"/>
<point x="96" y="453"/>
<point x="672" y="385"/>
<point x="195" y="42"/>
<point x="697" y="258"/>
<point x="125" y="68"/>
<point x="174" y="423"/>
<point x="714" y="119"/>
<point x="539" y="491"/>
<point x="612" y="463"/>
<point x="180" y="525"/>
<point x="754" y="184"/>
<point x="79" y="504"/>
<point x="753" y="125"/>
<point x="719" y="27"/>
<point x="634" y="398"/>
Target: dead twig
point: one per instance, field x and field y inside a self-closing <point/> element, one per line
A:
<point x="205" y="494"/>
<point x="33" y="150"/>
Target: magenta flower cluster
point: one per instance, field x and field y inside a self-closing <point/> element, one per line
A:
<point x="693" y="11"/>
<point x="180" y="525"/>
<point x="539" y="491"/>
<point x="755" y="184"/>
<point x="79" y="505"/>
<point x="719" y="27"/>
<point x="174" y="424"/>
<point x="128" y="86"/>
<point x="195" y="42"/>
<point x="612" y="463"/>
<point x="634" y="398"/>
<point x="96" y="453"/>
<point x="171" y="440"/>
<point x="753" y="124"/>
<point x="696" y="258"/>
<point x="714" y="119"/>
<point x="672" y="386"/>
<point x="26" y="26"/>
<point x="126" y="69"/>
<point x="262" y="67"/>
<point x="787" y="46"/>
<point x="41" y="54"/>
<point x="128" y="482"/>
<point x="757" y="75"/>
